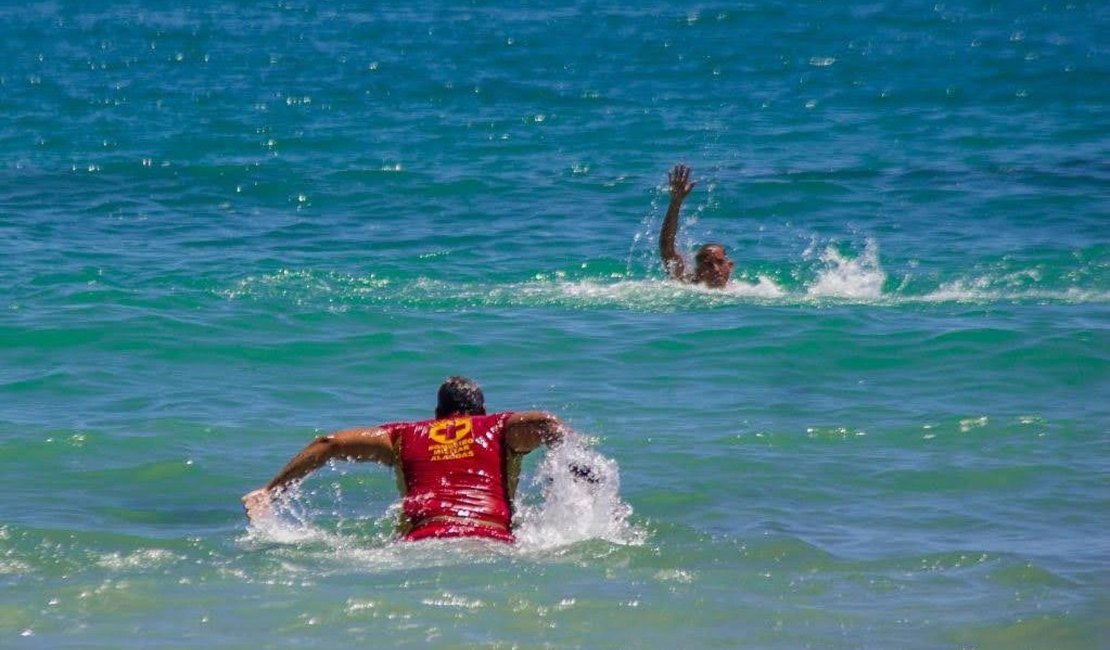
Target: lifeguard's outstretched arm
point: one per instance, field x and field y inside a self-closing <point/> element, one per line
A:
<point x="360" y="444"/>
<point x="529" y="429"/>
<point x="680" y="187"/>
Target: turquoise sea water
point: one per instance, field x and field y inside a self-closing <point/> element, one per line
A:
<point x="227" y="227"/>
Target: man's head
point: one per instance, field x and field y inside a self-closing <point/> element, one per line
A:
<point x="713" y="267"/>
<point x="460" y="396"/>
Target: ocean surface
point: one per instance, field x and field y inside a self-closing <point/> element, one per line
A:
<point x="226" y="228"/>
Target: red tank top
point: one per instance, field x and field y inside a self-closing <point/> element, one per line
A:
<point x="453" y="470"/>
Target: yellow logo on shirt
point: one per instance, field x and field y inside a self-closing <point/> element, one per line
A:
<point x="453" y="438"/>
<point x="446" y="432"/>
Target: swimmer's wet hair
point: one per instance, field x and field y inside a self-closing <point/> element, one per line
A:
<point x="460" y="396"/>
<point x="703" y="252"/>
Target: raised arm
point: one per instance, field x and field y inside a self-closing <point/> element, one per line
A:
<point x="359" y="444"/>
<point x="680" y="186"/>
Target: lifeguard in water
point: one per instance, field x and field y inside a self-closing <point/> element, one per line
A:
<point x="457" y="472"/>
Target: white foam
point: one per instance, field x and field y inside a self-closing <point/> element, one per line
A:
<point x="984" y="290"/>
<point x="838" y="276"/>
<point x="142" y="559"/>
<point x="764" y="287"/>
<point x="842" y="277"/>
<point x="554" y="509"/>
<point x="578" y="506"/>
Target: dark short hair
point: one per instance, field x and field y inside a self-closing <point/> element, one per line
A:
<point x="704" y="250"/>
<point x="460" y="396"/>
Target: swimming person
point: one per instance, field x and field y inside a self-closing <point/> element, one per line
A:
<point x="457" y="472"/>
<point x="712" y="265"/>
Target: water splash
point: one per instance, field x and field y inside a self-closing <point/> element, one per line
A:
<point x="581" y="500"/>
<point x="573" y="497"/>
<point x="838" y="276"/>
<point x="292" y="523"/>
<point x="843" y="277"/>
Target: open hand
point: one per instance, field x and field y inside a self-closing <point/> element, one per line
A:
<point x="679" y="180"/>
<point x="258" y="504"/>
